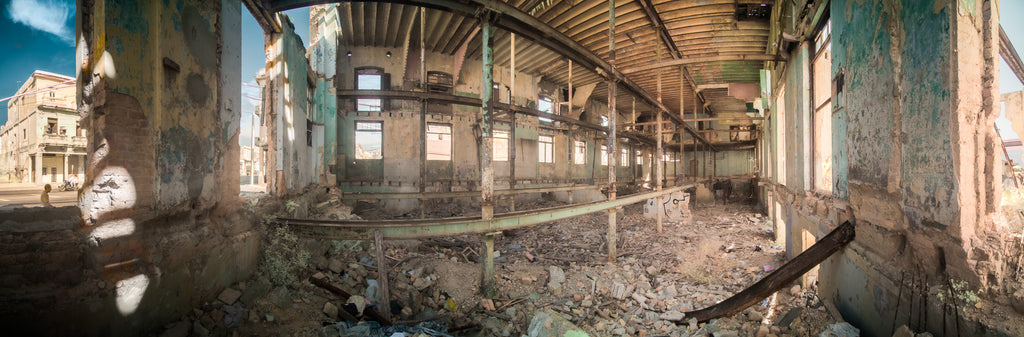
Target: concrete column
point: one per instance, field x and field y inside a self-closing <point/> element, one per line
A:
<point x="38" y="174"/>
<point x="486" y="169"/>
<point x="65" y="173"/>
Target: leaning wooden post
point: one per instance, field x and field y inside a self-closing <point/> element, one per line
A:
<point x="382" y="275"/>
<point x="612" y="236"/>
<point x="486" y="169"/>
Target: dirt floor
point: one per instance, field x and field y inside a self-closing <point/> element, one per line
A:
<point x="560" y="266"/>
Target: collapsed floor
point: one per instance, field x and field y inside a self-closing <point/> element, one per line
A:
<point x="560" y="267"/>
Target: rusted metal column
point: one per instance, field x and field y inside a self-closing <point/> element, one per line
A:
<point x="382" y="275"/>
<point x="423" y="114"/>
<point x="612" y="155"/>
<point x="486" y="169"/>
<point x="659" y="171"/>
<point x="512" y="129"/>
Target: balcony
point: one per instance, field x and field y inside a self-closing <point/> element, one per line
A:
<point x="50" y="139"/>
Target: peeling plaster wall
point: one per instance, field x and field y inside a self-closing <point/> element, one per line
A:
<point x="158" y="229"/>
<point x="912" y="157"/>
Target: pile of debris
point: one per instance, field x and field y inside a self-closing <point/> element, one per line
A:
<point x="552" y="276"/>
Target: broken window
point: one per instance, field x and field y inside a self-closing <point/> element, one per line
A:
<point x="604" y="121"/>
<point x="821" y="73"/>
<point x="500" y="146"/>
<point x="51" y="125"/>
<point x="369" y="79"/>
<point x="604" y="155"/>
<point x="625" y="158"/>
<point x="544" y="105"/>
<point x="639" y="158"/>
<point x="309" y="133"/>
<point x="546" y="149"/>
<point x="580" y="152"/>
<point x="369" y="137"/>
<point x="439" y="141"/>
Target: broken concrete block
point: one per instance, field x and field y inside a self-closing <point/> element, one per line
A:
<point x="843" y="329"/>
<point x="549" y="323"/>
<point x="229" y="296"/>
<point x="555" y="277"/>
<point x="331" y="310"/>
<point x="618" y="290"/>
<point x="672" y="315"/>
<point x="335" y="265"/>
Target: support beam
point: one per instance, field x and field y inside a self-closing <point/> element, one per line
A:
<point x="512" y="129"/>
<point x="423" y="112"/>
<point x="659" y="172"/>
<point x="693" y="60"/>
<point x="1009" y="55"/>
<point x="612" y="156"/>
<point x="485" y="151"/>
<point x="413" y="229"/>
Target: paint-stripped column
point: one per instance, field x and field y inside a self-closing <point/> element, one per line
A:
<point x="569" y="143"/>
<point x="423" y="114"/>
<point x="485" y="151"/>
<point x="512" y="129"/>
<point x="659" y="168"/>
<point x="612" y="157"/>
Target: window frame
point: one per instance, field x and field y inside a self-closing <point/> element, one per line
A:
<point x="546" y="148"/>
<point x="551" y="107"/>
<point x="370" y="71"/>
<point x="357" y="131"/>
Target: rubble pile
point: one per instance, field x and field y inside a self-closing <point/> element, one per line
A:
<point x="557" y="274"/>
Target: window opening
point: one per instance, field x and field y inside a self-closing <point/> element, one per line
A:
<point x="369" y="137"/>
<point x="439" y="141"/>
<point x="580" y="152"/>
<point x="500" y="144"/>
<point x="546" y="149"/>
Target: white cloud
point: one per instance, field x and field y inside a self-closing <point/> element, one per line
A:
<point x="45" y="15"/>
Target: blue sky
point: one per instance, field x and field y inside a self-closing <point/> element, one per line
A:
<point x="39" y="34"/>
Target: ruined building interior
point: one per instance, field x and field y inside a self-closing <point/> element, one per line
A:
<point x="534" y="167"/>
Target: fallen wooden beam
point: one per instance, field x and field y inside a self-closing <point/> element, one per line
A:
<point x="790" y="271"/>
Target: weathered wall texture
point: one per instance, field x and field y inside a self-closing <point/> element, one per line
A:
<point x="913" y="157"/>
<point x="159" y="229"/>
<point x="398" y="171"/>
<point x="287" y="69"/>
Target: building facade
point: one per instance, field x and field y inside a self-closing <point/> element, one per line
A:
<point x="43" y="141"/>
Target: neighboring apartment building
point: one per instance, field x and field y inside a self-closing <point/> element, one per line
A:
<point x="42" y="141"/>
<point x="251" y="164"/>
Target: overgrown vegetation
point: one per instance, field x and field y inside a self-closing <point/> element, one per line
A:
<point x="283" y="257"/>
<point x="963" y="295"/>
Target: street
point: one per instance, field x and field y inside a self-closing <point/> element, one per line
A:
<point x="27" y="195"/>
